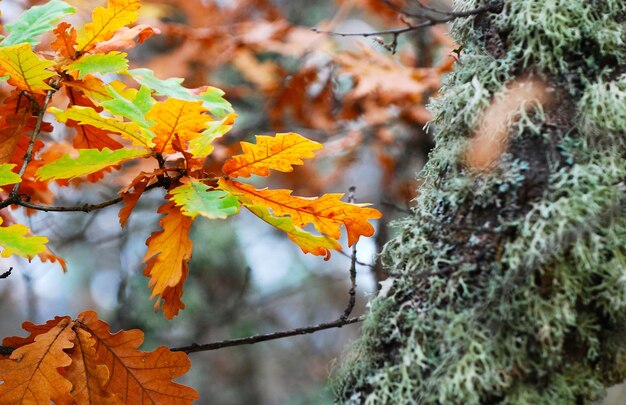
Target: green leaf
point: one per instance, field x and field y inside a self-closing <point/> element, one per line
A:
<point x="212" y="98"/>
<point x="196" y="198"/>
<point x="14" y="241"/>
<point x="7" y="176"/>
<point x="112" y="62"/>
<point x="88" y="161"/>
<point x="135" y="110"/>
<point x="201" y="146"/>
<point x="35" y="21"/>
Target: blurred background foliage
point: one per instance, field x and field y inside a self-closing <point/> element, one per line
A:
<point x="363" y="102"/>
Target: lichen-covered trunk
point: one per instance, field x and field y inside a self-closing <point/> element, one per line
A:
<point x="509" y="281"/>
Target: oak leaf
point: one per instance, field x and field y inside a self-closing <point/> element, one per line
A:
<point x="30" y="374"/>
<point x="169" y="251"/>
<point x="327" y="213"/>
<point x="138" y="377"/>
<point x="88" y="136"/>
<point x="7" y="175"/>
<point x="89" y="116"/>
<point x="26" y="70"/>
<point x="35" y="21"/>
<point x="112" y="62"/>
<point x="86" y="373"/>
<point x="14" y="239"/>
<point x="187" y="119"/>
<point x="88" y="161"/>
<point x="309" y="243"/>
<point x="65" y="40"/>
<point x="131" y="197"/>
<point x="105" y="21"/>
<point x="279" y="152"/>
<point x="126" y="38"/>
<point x="195" y="198"/>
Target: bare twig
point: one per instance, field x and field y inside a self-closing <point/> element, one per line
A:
<point x="265" y="337"/>
<point x="6" y="273"/>
<point x="428" y="21"/>
<point x="352" y="292"/>
<point x="29" y="151"/>
<point x="17" y="200"/>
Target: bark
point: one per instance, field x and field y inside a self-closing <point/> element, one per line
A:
<point x="509" y="283"/>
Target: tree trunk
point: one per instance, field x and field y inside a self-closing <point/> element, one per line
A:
<point x="509" y="281"/>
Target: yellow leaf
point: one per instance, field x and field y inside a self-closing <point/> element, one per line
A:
<point x="26" y="70"/>
<point x="317" y="245"/>
<point x="105" y="21"/>
<point x="30" y="374"/>
<point x="169" y="252"/>
<point x="280" y="153"/>
<point x="327" y="213"/>
<point x="187" y="119"/>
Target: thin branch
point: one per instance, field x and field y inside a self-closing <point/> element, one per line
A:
<point x="6" y="273"/>
<point x="429" y="21"/>
<point x="28" y="156"/>
<point x="17" y="200"/>
<point x="265" y="337"/>
<point x="352" y="292"/>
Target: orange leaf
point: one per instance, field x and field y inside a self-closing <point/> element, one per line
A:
<point x="14" y="114"/>
<point x="169" y="251"/>
<point x="187" y="119"/>
<point x="138" y="377"/>
<point x="87" y="375"/>
<point x="30" y="374"/>
<point x="35" y="330"/>
<point x="130" y="198"/>
<point x="278" y="153"/>
<point x="65" y="41"/>
<point x="327" y="213"/>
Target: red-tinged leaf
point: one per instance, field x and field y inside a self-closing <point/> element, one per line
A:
<point x="126" y="38"/>
<point x="65" y="40"/>
<point x="280" y="153"/>
<point x="327" y="213"/>
<point x="26" y="70"/>
<point x="14" y="115"/>
<point x="138" y="377"/>
<point x="187" y="119"/>
<point x="131" y="197"/>
<point x="169" y="250"/>
<point x="88" y="136"/>
<point x="105" y="21"/>
<point x="87" y="375"/>
<point x="30" y="374"/>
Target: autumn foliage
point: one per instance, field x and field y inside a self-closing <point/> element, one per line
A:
<point x="161" y="133"/>
<point x="80" y="362"/>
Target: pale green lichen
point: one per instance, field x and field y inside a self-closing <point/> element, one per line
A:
<point x="510" y="286"/>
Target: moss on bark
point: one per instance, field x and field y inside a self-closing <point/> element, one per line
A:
<point x="509" y="286"/>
